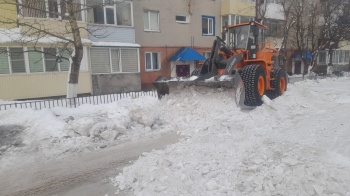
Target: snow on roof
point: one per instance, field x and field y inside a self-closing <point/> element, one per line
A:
<point x="115" y="44"/>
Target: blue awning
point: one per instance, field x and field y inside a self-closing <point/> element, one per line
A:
<point x="306" y="54"/>
<point x="187" y="54"/>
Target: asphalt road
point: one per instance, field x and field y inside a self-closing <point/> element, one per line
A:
<point x="86" y="175"/>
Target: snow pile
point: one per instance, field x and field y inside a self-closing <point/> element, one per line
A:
<point x="53" y="133"/>
<point x="295" y="145"/>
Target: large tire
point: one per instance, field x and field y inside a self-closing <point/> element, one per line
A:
<point x="279" y="83"/>
<point x="254" y="80"/>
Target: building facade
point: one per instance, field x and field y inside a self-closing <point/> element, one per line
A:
<point x="34" y="65"/>
<point x="163" y="27"/>
<point x="25" y="73"/>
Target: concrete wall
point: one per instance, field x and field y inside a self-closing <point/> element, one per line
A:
<point x="238" y="7"/>
<point x="172" y="33"/>
<point x="115" y="83"/>
<point x="25" y="86"/>
<point x="8" y="13"/>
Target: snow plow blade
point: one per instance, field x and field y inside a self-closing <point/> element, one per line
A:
<point x="165" y="86"/>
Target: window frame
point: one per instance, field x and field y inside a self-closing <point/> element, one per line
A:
<point x="152" y="65"/>
<point x="212" y="18"/>
<point x="187" y="21"/>
<point x="119" y="60"/>
<point x="149" y="21"/>
<point x="27" y="61"/>
<point x="59" y="11"/>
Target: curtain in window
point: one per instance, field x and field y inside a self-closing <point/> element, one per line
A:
<point x="154" y="21"/>
<point x="155" y="61"/>
<point x="50" y="59"/>
<point x="17" y="60"/>
<point x="110" y="15"/>
<point x="100" y="60"/>
<point x="123" y="13"/>
<point x="115" y="56"/>
<point x="34" y="8"/>
<point x="205" y="23"/>
<point x="130" y="60"/>
<point x="35" y="60"/>
<point x="146" y="21"/>
<point x="65" y="63"/>
<point x="53" y="8"/>
<point x="99" y="17"/>
<point x="148" y="61"/>
<point x="4" y="63"/>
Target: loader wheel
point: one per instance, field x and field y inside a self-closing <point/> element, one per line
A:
<point x="254" y="80"/>
<point x="279" y="83"/>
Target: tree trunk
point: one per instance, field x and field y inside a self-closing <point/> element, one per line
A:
<point x="72" y="88"/>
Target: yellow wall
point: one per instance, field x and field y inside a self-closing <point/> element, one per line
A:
<point x="238" y="7"/>
<point x="52" y="25"/>
<point x="8" y="14"/>
<point x="24" y="86"/>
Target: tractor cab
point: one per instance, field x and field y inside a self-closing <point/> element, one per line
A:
<point x="245" y="37"/>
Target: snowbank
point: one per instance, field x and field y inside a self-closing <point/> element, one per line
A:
<point x="298" y="145"/>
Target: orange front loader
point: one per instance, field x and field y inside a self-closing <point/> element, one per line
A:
<point x="248" y="63"/>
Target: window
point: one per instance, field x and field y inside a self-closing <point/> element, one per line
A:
<point x="114" y="60"/>
<point x="225" y="21"/>
<point x="274" y="28"/>
<point x="151" y="20"/>
<point x="17" y="60"/>
<point x="182" y="19"/>
<point x="112" y="12"/>
<point x="206" y="54"/>
<point x="152" y="61"/>
<point x="33" y="60"/>
<point x="48" y="9"/>
<point x="50" y="59"/>
<point x="208" y="25"/>
<point x="322" y="57"/>
<point x="4" y="62"/>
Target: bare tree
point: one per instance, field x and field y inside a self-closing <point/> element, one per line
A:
<point x="333" y="28"/>
<point x="63" y="35"/>
<point x="305" y="34"/>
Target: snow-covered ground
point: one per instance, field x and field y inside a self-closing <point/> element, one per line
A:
<point x="297" y="144"/>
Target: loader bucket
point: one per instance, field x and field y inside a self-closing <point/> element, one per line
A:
<point x="233" y="82"/>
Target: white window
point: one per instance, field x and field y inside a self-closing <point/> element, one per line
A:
<point x="48" y="8"/>
<point x="33" y="60"/>
<point x="151" y="20"/>
<point x="152" y="61"/>
<point x="182" y="19"/>
<point x="114" y="60"/>
<point x="112" y="12"/>
<point x="208" y="25"/>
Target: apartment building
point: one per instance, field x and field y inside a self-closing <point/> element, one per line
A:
<point x="34" y="65"/>
<point x="174" y="35"/>
<point x="114" y="54"/>
<point x="25" y="74"/>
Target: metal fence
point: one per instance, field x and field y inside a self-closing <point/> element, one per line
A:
<point x="75" y="102"/>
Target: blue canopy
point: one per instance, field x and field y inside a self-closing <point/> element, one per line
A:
<point x="187" y="54"/>
<point x="306" y="54"/>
